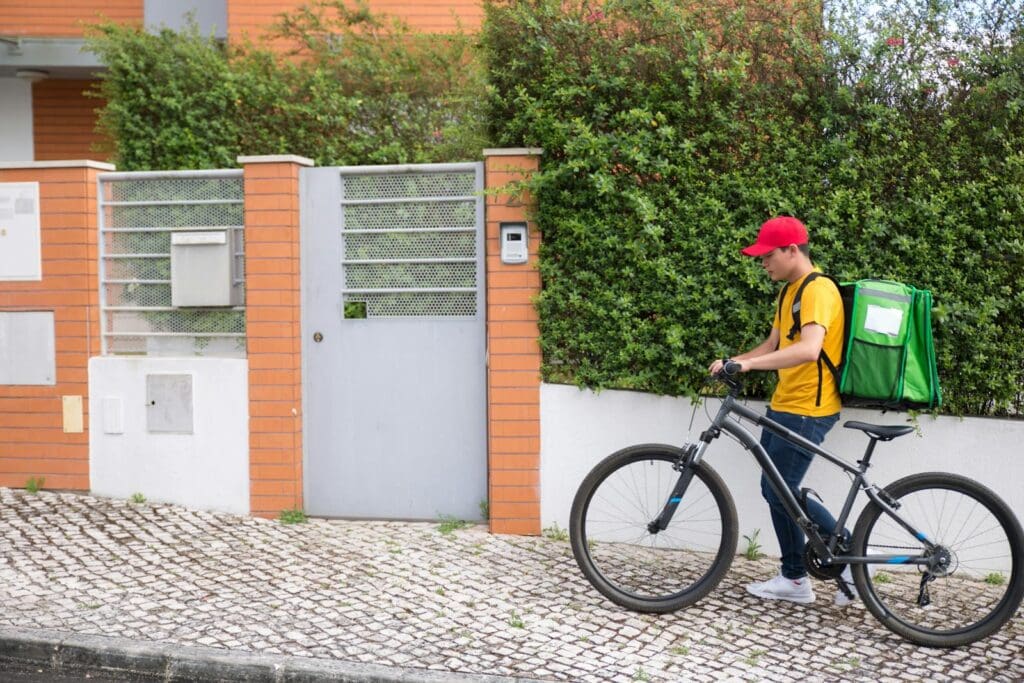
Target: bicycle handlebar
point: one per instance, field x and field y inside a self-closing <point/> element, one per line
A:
<point x="729" y="375"/>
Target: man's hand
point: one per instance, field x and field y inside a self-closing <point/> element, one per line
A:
<point x="718" y="365"/>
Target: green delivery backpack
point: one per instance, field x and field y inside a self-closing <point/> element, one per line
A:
<point x="888" y="352"/>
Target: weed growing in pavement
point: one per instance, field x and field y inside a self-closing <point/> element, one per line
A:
<point x="556" y="533"/>
<point x="881" y="577"/>
<point x="641" y="675"/>
<point x="33" y="485"/>
<point x="754" y="655"/>
<point x="294" y="516"/>
<point x="753" y="549"/>
<point x="681" y="650"/>
<point x="516" y="621"/>
<point x="440" y="591"/>
<point x="138" y="498"/>
<point x="846" y="663"/>
<point x="485" y="509"/>
<point x="450" y="524"/>
<point x="995" y="579"/>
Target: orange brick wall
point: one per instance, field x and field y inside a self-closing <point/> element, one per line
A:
<point x="62" y="19"/>
<point x="32" y="438"/>
<point x="513" y="374"/>
<point x="64" y="121"/>
<point x="252" y="17"/>
<point x="273" y="320"/>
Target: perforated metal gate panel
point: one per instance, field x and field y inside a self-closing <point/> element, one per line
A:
<point x="409" y="243"/>
<point x="138" y="213"/>
<point x="394" y="341"/>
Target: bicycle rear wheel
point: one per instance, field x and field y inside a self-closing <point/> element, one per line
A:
<point x="637" y="569"/>
<point x="978" y="589"/>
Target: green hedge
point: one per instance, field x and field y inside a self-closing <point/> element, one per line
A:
<point x="357" y="89"/>
<point x="669" y="135"/>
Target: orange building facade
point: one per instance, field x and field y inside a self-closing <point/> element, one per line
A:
<point x="45" y="73"/>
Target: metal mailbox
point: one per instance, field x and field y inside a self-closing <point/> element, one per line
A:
<point x="201" y="269"/>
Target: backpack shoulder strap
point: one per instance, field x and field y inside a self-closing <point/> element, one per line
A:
<point x="782" y="297"/>
<point x="796" y="304"/>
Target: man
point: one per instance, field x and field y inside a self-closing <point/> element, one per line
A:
<point x="806" y="399"/>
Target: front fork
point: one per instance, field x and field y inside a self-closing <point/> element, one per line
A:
<point x="686" y="466"/>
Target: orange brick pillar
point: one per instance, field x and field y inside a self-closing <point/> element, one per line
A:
<point x="272" y="321"/>
<point x="513" y="373"/>
<point x="44" y="427"/>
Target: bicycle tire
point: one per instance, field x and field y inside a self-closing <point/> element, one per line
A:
<point x="985" y="581"/>
<point x="684" y="562"/>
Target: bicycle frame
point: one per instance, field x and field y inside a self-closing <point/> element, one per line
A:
<point x="826" y="546"/>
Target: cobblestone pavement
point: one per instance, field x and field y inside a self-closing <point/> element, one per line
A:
<point x="407" y="595"/>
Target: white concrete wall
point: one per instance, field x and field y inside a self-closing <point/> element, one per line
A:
<point x="579" y="428"/>
<point x="207" y="469"/>
<point x="16" y="120"/>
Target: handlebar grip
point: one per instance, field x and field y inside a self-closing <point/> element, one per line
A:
<point x="731" y="368"/>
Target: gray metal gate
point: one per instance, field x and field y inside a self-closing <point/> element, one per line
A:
<point x="394" y="344"/>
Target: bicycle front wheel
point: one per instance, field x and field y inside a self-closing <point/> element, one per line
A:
<point x="978" y="584"/>
<point x="623" y="559"/>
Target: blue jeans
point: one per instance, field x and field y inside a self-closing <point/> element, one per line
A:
<point x="792" y="463"/>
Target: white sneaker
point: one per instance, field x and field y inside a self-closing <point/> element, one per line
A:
<point x="842" y="600"/>
<point x="781" y="588"/>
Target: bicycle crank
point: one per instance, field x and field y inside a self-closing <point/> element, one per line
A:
<point x="819" y="570"/>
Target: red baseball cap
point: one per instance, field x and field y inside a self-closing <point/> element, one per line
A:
<point x="781" y="231"/>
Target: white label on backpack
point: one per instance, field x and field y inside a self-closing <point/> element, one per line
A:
<point x="883" y="320"/>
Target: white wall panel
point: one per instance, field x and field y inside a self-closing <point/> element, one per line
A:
<point x="206" y="469"/>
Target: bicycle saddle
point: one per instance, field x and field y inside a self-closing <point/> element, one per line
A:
<point x="880" y="432"/>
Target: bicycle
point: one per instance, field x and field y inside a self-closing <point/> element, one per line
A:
<point x="653" y="528"/>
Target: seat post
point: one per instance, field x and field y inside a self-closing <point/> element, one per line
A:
<point x="865" y="462"/>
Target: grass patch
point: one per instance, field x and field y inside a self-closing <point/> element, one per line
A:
<point x="450" y="524"/>
<point x="995" y="579"/>
<point x="137" y="499"/>
<point x="294" y="516"/>
<point x="641" y="675"/>
<point x="556" y="533"/>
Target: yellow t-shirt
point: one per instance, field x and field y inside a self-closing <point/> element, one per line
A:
<point x="797" y="390"/>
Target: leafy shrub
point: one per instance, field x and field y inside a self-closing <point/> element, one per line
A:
<point x="356" y="89"/>
<point x="670" y="134"/>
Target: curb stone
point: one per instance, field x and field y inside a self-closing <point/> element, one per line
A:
<point x="56" y="651"/>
